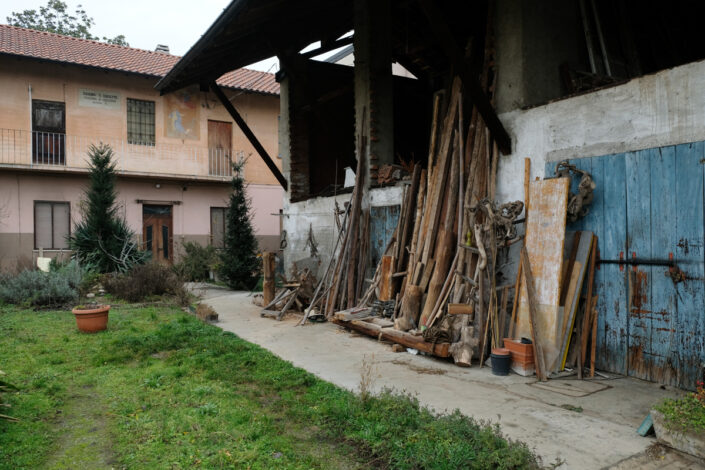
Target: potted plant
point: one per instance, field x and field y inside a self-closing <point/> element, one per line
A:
<point x="91" y="318"/>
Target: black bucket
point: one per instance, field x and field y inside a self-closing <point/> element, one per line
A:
<point x="501" y="363"/>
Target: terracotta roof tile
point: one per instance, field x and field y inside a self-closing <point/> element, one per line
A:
<point x="49" y="46"/>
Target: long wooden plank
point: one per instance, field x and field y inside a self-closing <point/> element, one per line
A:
<point x="580" y="266"/>
<point x="689" y="257"/>
<point x="534" y="327"/>
<point x="665" y="319"/>
<point x="545" y="236"/>
<point x="639" y="239"/>
<point x="585" y="330"/>
<point x="439" y="186"/>
<point x="517" y="286"/>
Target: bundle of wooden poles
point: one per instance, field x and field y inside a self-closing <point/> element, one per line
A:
<point x="440" y="266"/>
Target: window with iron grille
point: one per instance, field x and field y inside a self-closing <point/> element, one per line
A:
<point x="52" y="225"/>
<point x="140" y="122"/>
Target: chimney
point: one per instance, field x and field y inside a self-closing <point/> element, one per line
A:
<point x="162" y="48"/>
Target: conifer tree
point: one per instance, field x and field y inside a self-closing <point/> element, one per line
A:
<point x="102" y="241"/>
<point x="239" y="262"/>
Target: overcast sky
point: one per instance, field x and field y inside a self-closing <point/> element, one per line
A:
<point x="145" y="23"/>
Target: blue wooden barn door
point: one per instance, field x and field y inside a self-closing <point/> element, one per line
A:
<point x="649" y="205"/>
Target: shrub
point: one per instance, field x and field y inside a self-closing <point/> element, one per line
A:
<point x="196" y="262"/>
<point x="143" y="281"/>
<point x="102" y="241"/>
<point x="39" y="289"/>
<point x="239" y="263"/>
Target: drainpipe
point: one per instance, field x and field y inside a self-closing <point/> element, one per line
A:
<point x="29" y="88"/>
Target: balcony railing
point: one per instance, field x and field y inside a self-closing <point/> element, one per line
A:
<point x="47" y="150"/>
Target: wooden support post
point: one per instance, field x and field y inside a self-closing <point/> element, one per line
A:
<point x="268" y="267"/>
<point x="250" y="135"/>
<point x="467" y="73"/>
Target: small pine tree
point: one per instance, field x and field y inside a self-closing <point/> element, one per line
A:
<point x="239" y="262"/>
<point x="102" y="242"/>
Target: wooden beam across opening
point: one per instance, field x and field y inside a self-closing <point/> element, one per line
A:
<point x="250" y="135"/>
<point x="468" y="74"/>
<point x="328" y="46"/>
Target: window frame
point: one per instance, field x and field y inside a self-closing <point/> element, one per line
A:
<point x="224" y="209"/>
<point x="34" y="221"/>
<point x="154" y="122"/>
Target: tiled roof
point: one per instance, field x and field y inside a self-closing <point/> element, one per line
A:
<point x="49" y="46"/>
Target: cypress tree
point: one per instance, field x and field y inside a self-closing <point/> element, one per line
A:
<point x="102" y="242"/>
<point x="239" y="262"/>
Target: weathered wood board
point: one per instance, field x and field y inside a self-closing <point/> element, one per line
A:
<point x="544" y="241"/>
<point x="570" y="309"/>
<point x="649" y="204"/>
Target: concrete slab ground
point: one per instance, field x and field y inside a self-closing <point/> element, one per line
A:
<point x="585" y="424"/>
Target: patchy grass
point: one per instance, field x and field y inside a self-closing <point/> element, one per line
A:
<point x="160" y="389"/>
<point x="686" y="414"/>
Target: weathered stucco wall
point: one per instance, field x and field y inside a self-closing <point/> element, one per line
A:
<point x="191" y="218"/>
<point x="54" y="82"/>
<point x="317" y="214"/>
<point x="656" y="110"/>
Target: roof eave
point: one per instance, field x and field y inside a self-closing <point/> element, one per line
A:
<point x="165" y="85"/>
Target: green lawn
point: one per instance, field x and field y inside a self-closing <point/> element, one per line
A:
<point x="160" y="389"/>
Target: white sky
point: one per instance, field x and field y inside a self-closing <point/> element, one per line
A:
<point x="146" y="23"/>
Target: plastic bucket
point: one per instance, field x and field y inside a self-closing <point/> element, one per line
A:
<point x="501" y="360"/>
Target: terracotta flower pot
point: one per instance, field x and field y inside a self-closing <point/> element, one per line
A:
<point x="91" y="320"/>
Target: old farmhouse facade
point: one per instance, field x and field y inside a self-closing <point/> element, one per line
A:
<point x="59" y="95"/>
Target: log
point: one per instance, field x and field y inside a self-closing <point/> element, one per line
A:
<point x="385" y="289"/>
<point x="462" y="350"/>
<point x="268" y="285"/>
<point x="410" y="308"/>
<point x="461" y="309"/>
<point x="395" y="336"/>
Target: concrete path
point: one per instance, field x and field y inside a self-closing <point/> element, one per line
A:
<point x="585" y="424"/>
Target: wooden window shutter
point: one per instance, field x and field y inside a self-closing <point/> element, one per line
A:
<point x="61" y="226"/>
<point x="42" y="225"/>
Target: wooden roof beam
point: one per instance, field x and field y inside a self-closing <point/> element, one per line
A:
<point x="250" y="135"/>
<point x="468" y="74"/>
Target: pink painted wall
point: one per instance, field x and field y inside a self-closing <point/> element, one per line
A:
<point x="191" y="206"/>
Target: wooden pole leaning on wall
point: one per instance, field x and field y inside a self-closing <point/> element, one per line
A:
<point x="517" y="287"/>
<point x="533" y="316"/>
<point x="268" y="268"/>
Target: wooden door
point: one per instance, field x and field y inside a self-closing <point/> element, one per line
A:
<point x="48" y="132"/>
<point x="383" y="223"/>
<point x="157" y="232"/>
<point x="220" y="138"/>
<point x="651" y="317"/>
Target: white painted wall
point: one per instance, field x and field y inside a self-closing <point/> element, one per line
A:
<point x="656" y="110"/>
<point x="318" y="214"/>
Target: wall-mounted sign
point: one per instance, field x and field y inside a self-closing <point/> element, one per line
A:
<point x="98" y="99"/>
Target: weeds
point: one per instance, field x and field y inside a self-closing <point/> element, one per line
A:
<point x="687" y="413"/>
<point x="368" y="376"/>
